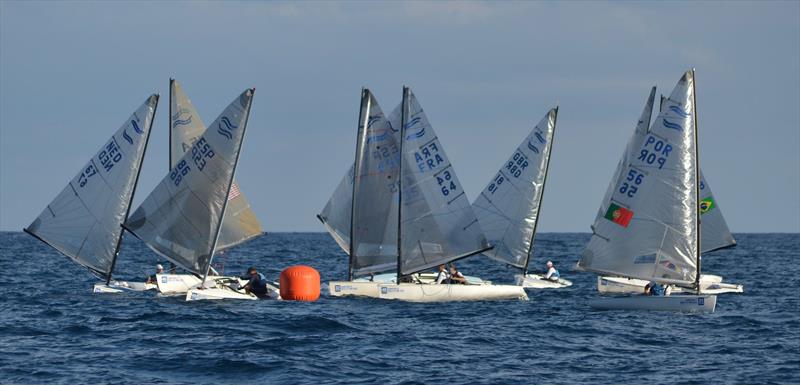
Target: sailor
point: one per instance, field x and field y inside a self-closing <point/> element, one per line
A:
<point x="443" y="275"/>
<point x="256" y="284"/>
<point x="656" y="289"/>
<point x="152" y="278"/>
<point x="551" y="274"/>
<point x="455" y="276"/>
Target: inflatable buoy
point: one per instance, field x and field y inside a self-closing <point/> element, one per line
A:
<point x="300" y="283"/>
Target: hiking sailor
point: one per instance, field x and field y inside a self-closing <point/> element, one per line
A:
<point x="551" y="274"/>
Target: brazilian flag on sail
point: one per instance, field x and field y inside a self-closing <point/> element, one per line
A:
<point x="619" y="215"/>
<point x="707" y="205"/>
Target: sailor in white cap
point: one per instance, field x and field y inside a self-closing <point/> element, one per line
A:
<point x="159" y="270"/>
<point x="552" y="274"/>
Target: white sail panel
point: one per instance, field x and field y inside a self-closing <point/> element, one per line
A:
<point x="240" y="223"/>
<point x="338" y="210"/>
<point x="437" y="221"/>
<point x="181" y="216"/>
<point x="508" y="208"/>
<point x="375" y="209"/>
<point x="84" y="221"/>
<point x="648" y="228"/>
<point x="714" y="231"/>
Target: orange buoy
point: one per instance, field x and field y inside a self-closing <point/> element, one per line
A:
<point x="300" y="283"/>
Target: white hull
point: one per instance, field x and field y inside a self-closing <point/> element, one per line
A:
<point x="120" y="286"/>
<point x="675" y="303"/>
<point x="224" y="289"/>
<point x="179" y="284"/>
<point x="536" y="281"/>
<point x="709" y="284"/>
<point x="416" y="292"/>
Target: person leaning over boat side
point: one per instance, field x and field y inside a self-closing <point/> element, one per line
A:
<point x="552" y="274"/>
<point x="655" y="289"/>
<point x="256" y="284"/>
<point x="152" y="278"/>
<point x="455" y="276"/>
<point x="443" y="275"/>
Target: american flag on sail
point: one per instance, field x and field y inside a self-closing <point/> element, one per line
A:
<point x="234" y="192"/>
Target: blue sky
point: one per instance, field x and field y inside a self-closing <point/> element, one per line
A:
<point x="72" y="72"/>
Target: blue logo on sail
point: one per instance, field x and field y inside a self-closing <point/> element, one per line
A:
<point x="226" y="131"/>
<point x="679" y="111"/>
<point x="126" y="136"/>
<point x="540" y="138"/>
<point x="671" y="125"/>
<point x="532" y="147"/>
<point x="136" y="127"/>
<point x="181" y="122"/>
<point x="378" y="138"/>
<point x="417" y="134"/>
<point x="373" y="119"/>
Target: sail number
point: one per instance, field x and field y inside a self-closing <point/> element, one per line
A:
<point x="178" y="172"/>
<point x="631" y="184"/>
<point x="200" y="152"/>
<point x="110" y="155"/>
<point x="496" y="182"/>
<point x="446" y="182"/>
<point x="86" y="174"/>
<point x="428" y="157"/>
<point x="655" y="151"/>
<point x="517" y="164"/>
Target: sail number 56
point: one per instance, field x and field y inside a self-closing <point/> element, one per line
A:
<point x="633" y="180"/>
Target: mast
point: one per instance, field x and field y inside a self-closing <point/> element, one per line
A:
<point x="541" y="196"/>
<point x="363" y="121"/>
<point x="403" y="119"/>
<point x="696" y="180"/>
<point x="228" y="193"/>
<point x="133" y="192"/>
<point x="169" y="124"/>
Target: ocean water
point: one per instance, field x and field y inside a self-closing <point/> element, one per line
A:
<point x="54" y="330"/>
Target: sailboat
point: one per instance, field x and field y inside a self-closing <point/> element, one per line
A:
<point x="508" y="208"/>
<point x="182" y="217"/>
<point x="649" y="226"/>
<point x="714" y="233"/>
<point x="408" y="212"/>
<point x="239" y="224"/>
<point x="84" y="221"/>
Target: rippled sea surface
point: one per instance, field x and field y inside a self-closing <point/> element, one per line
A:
<point x="54" y="330"/>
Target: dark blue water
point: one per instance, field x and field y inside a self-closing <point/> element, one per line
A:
<point x="54" y="330"/>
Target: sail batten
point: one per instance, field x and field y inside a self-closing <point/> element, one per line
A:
<point x="83" y="221"/>
<point x="186" y="127"/>
<point x="508" y="208"/>
<point x="647" y="226"/>
<point x="181" y="217"/>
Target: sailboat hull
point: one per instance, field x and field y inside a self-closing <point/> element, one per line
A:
<point x="675" y="303"/>
<point x="709" y="284"/>
<point x="536" y="281"/>
<point x="120" y="286"/>
<point x="179" y="284"/>
<point x="413" y="292"/>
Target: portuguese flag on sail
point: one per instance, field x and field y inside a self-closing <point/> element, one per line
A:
<point x="707" y="205"/>
<point x="619" y="215"/>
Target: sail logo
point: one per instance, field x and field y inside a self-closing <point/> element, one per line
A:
<point x="126" y="136"/>
<point x="182" y="122"/>
<point x="136" y="127"/>
<point x="532" y="147"/>
<point x="417" y="134"/>
<point x="226" y="131"/>
<point x="378" y="138"/>
<point x="671" y="125"/>
<point x="679" y="111"/>
<point x="372" y="120"/>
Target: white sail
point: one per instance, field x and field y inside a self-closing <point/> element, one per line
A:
<point x="240" y="223"/>
<point x="181" y="217"/>
<point x="375" y="197"/>
<point x="338" y="210"/>
<point x="437" y="222"/>
<point x="714" y="231"/>
<point x="508" y="208"/>
<point x="84" y="221"/>
<point x="648" y="228"/>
